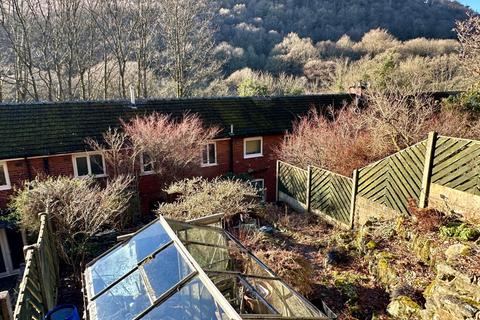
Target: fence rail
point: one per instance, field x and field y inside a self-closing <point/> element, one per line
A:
<point x="38" y="289"/>
<point x="390" y="184"/>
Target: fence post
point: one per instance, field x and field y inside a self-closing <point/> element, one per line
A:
<point x="5" y="306"/>
<point x="309" y="187"/>
<point x="276" y="180"/>
<point x="427" y="170"/>
<point x="353" y="200"/>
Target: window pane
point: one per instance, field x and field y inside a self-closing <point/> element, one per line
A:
<point x="205" y="155"/>
<point x="241" y="298"/>
<point x="117" y="263"/>
<point x="147" y="163"/>
<point x="211" y="153"/>
<point x="192" y="302"/>
<point x="3" y="178"/>
<point x="253" y="147"/>
<point x="124" y="301"/>
<point x="282" y="298"/>
<point x="82" y="166"/>
<point x="166" y="269"/>
<point x="15" y="243"/>
<point x="96" y="162"/>
<point x="260" y="186"/>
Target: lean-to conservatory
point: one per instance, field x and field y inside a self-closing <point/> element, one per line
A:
<point x="175" y="270"/>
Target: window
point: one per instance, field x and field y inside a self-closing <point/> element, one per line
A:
<point x="146" y="163"/>
<point x="89" y="165"/>
<point x="253" y="147"/>
<point x="209" y="155"/>
<point x="259" y="184"/>
<point x="4" y="179"/>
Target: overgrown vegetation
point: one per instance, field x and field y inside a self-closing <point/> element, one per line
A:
<point x="350" y="138"/>
<point x="200" y="197"/>
<point x="381" y="270"/>
<point x="64" y="50"/>
<point x="78" y="209"/>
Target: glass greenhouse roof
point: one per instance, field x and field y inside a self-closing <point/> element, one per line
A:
<point x="175" y="270"/>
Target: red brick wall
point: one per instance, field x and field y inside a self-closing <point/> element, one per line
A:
<point x="22" y="170"/>
<point x="259" y="168"/>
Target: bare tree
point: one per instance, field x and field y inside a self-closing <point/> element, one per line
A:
<point x="114" y="19"/>
<point x="468" y="33"/>
<point x="14" y="20"/>
<point x="147" y="33"/>
<point x="187" y="55"/>
<point x="173" y="146"/>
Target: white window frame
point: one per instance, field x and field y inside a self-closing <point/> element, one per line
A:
<point x="263" y="189"/>
<point x="142" y="167"/>
<point x="208" y="156"/>
<point x="89" y="166"/>
<point x="4" y="167"/>
<point x="7" y="257"/>
<point x="254" y="155"/>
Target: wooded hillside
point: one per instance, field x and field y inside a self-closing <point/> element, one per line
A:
<point x="262" y="23"/>
<point x="59" y="50"/>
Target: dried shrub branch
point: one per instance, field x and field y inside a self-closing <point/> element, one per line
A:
<point x="174" y="146"/>
<point x="77" y="208"/>
<point x="199" y="197"/>
<point x="337" y="142"/>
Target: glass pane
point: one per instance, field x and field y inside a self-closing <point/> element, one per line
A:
<point x="15" y="244"/>
<point x="211" y="153"/>
<point x="118" y="262"/>
<point x="253" y="147"/>
<point x="282" y="298"/>
<point x="205" y="155"/>
<point x="209" y="257"/>
<point x="190" y="233"/>
<point x="257" y="184"/>
<point x="2" y="262"/>
<point x="241" y="298"/>
<point x="147" y="163"/>
<point x="96" y="162"/>
<point x="192" y="302"/>
<point x="3" y="178"/>
<point x="124" y="301"/>
<point x="82" y="166"/>
<point x="166" y="270"/>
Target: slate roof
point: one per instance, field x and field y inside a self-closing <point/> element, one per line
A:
<point x="40" y="129"/>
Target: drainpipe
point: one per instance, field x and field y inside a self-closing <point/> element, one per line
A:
<point x="231" y="149"/>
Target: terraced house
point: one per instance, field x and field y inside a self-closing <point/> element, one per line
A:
<point x="49" y="139"/>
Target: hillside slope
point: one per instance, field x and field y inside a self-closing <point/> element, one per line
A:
<point x="259" y="24"/>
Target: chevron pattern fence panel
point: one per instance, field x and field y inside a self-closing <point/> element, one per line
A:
<point x="395" y="180"/>
<point x="456" y="164"/>
<point x="292" y="181"/>
<point x="331" y="194"/>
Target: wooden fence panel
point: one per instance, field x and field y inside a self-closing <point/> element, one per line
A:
<point x="30" y="305"/>
<point x="456" y="164"/>
<point x="48" y="262"/>
<point x="395" y="180"/>
<point x="331" y="194"/>
<point x="38" y="289"/>
<point x="293" y="181"/>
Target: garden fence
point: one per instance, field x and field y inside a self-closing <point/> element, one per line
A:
<point x="38" y="288"/>
<point x="434" y="171"/>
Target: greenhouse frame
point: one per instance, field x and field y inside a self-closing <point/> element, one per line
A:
<point x="175" y="270"/>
